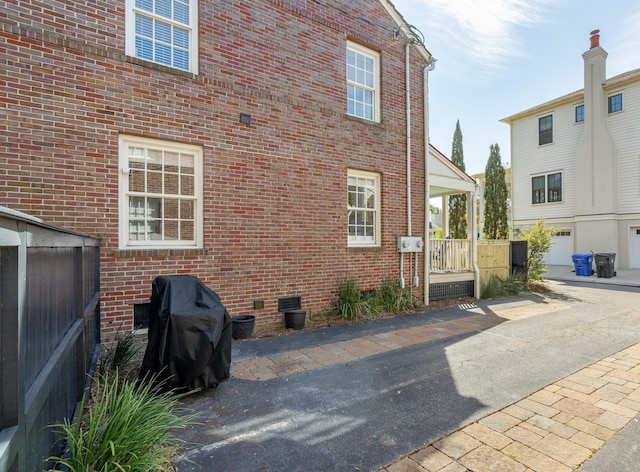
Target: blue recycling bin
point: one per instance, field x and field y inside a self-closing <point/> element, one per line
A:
<point x="582" y="264"/>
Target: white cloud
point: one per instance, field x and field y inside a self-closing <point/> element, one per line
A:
<point x="477" y="35"/>
<point x="624" y="54"/>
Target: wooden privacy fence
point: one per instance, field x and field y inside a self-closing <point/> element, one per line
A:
<point x="49" y="333"/>
<point x="494" y="258"/>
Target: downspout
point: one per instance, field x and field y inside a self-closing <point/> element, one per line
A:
<point x="427" y="193"/>
<point x="408" y="111"/>
<point x="407" y="71"/>
<point x="474" y="243"/>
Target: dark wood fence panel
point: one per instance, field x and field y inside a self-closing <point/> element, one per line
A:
<point x="50" y="308"/>
<point x="49" y="333"/>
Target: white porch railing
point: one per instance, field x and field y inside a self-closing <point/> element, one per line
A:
<point x="450" y="255"/>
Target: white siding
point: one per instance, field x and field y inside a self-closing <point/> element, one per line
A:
<point x="624" y="127"/>
<point x="529" y="159"/>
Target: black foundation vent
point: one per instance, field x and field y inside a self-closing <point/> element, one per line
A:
<point x="451" y="290"/>
<point x="289" y="304"/>
<point x="141" y="312"/>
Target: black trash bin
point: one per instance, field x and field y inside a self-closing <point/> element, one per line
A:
<point x="604" y="264"/>
<point x="190" y="334"/>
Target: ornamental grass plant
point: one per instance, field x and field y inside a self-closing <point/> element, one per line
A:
<point x="349" y="302"/>
<point x="119" y="356"/>
<point x="126" y="427"/>
<point x="391" y="297"/>
<point x="496" y="287"/>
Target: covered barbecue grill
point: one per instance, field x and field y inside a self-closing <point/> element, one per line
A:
<point x="189" y="335"/>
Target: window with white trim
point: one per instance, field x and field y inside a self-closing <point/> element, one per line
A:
<point x="546" y="188"/>
<point x="580" y="113"/>
<point x="363" y="91"/>
<point x="160" y="194"/>
<point x="363" y="208"/>
<point x="164" y="31"/>
<point x="545" y="130"/>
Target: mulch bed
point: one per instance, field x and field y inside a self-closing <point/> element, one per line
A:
<point x="315" y="322"/>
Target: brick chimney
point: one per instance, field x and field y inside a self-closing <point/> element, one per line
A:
<point x="595" y="39"/>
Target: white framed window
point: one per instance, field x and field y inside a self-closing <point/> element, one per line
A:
<point x="164" y="31"/>
<point x="160" y="186"/>
<point x="363" y="208"/>
<point x="363" y="89"/>
<point x="546" y="188"/>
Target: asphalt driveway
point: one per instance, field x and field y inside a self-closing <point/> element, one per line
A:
<point x="358" y="397"/>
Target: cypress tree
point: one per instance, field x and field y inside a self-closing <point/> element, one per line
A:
<point x="458" y="203"/>
<point x="495" y="197"/>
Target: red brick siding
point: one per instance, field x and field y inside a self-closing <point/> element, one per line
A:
<point x="274" y="191"/>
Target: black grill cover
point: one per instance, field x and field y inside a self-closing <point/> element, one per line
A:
<point x="189" y="344"/>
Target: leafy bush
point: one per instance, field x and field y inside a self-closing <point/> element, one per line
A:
<point x="349" y="302"/>
<point x="392" y="298"/>
<point x="127" y="427"/>
<point x="538" y="239"/>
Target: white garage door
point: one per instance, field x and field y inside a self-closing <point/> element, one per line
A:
<point x="562" y="249"/>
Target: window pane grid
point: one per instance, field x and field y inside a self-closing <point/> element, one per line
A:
<point x="361" y="84"/>
<point x="161" y="207"/>
<point x="579" y="113"/>
<point x="162" y="32"/>
<point x="361" y="209"/>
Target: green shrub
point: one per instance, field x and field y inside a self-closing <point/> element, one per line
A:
<point x="127" y="427"/>
<point x="538" y="239"/>
<point x="392" y="298"/>
<point x="349" y="302"/>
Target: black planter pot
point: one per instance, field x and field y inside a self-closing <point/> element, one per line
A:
<point x="295" y="319"/>
<point x="242" y="326"/>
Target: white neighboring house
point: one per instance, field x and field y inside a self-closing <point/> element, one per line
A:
<point x="575" y="161"/>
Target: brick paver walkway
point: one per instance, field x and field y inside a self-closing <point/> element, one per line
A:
<point x="292" y="362"/>
<point x="555" y="429"/>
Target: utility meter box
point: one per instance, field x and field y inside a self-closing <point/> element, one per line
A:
<point x="410" y="244"/>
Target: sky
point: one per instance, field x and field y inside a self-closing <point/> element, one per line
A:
<point x="496" y="58"/>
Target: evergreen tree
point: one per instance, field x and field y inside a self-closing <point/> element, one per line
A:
<point x="458" y="203"/>
<point x="495" y="197"/>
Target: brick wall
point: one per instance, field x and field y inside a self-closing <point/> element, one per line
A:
<point x="275" y="222"/>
